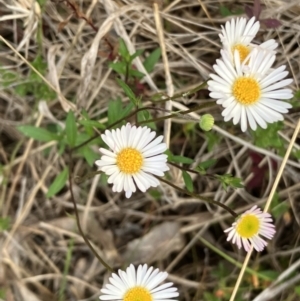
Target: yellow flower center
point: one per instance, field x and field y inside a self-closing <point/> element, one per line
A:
<point x="248" y="226"/>
<point x="129" y="160"/>
<point x="242" y="50"/>
<point x="137" y="293"/>
<point x="246" y="90"/>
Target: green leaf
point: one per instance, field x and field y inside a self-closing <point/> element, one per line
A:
<point x="114" y="110"/>
<point x="188" y="181"/>
<point x="8" y="78"/>
<point x="39" y="64"/>
<point x="228" y="180"/>
<point x="208" y="163"/>
<point x="58" y="183"/>
<point x="124" y="51"/>
<point x="279" y="210"/>
<point x="181" y="159"/>
<point x="41" y="3"/>
<point x="38" y="134"/>
<point x="270" y="274"/>
<point x="43" y="91"/>
<point x="2" y="294"/>
<point x="93" y="123"/>
<point x="88" y="128"/>
<point x="136" y="73"/>
<point x="71" y="129"/>
<point x="127" y="91"/>
<point x="203" y="166"/>
<point x="210" y="297"/>
<point x="136" y="54"/>
<point x="226" y="12"/>
<point x="127" y="109"/>
<point x="145" y="115"/>
<point x="152" y="60"/>
<point x="269" y="138"/>
<point x="23" y="89"/>
<point x="119" y="67"/>
<point x="90" y="156"/>
<point x="278" y="207"/>
<point x="4" y="223"/>
<point x="297" y="290"/>
<point x="212" y="140"/>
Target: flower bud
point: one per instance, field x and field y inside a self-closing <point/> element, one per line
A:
<point x="206" y="122"/>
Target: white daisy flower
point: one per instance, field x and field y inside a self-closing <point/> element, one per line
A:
<point x="139" y="285"/>
<point x="250" y="92"/>
<point x="238" y="35"/>
<point x="134" y="156"/>
<point x="249" y="228"/>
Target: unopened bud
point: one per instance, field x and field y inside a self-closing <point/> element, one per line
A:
<point x="206" y="122"/>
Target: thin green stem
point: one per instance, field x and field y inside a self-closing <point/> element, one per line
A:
<point x="66" y="270"/>
<point x="79" y="180"/>
<point x="77" y="217"/>
<point x="127" y="73"/>
<point x="109" y="127"/>
<point x="198" y="107"/>
<point x="182" y="94"/>
<point x="196" y="196"/>
<point x="232" y="260"/>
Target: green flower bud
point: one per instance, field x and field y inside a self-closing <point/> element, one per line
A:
<point x="206" y="122"/>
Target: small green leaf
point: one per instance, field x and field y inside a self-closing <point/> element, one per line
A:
<point x="22" y="89"/>
<point x="278" y="207"/>
<point x="119" y="67"/>
<point x="127" y="109"/>
<point x="212" y="140"/>
<point x="208" y="163"/>
<point x="127" y="91"/>
<point x="89" y="155"/>
<point x="271" y="274"/>
<point x="114" y="110"/>
<point x="124" y="51"/>
<point x="269" y="137"/>
<point x="71" y="129"/>
<point x="152" y="60"/>
<point x="39" y="64"/>
<point x="203" y="166"/>
<point x="88" y="128"/>
<point x="8" y="78"/>
<point x="228" y="180"/>
<point x="188" y="181"/>
<point x="136" y="54"/>
<point x="226" y="12"/>
<point x="297" y="290"/>
<point x="93" y="123"/>
<point x="181" y="159"/>
<point x="145" y="115"/>
<point x="41" y="3"/>
<point x="4" y="223"/>
<point x="136" y="73"/>
<point x="210" y="297"/>
<point x="38" y="134"/>
<point x="58" y="183"/>
<point x="2" y="294"/>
